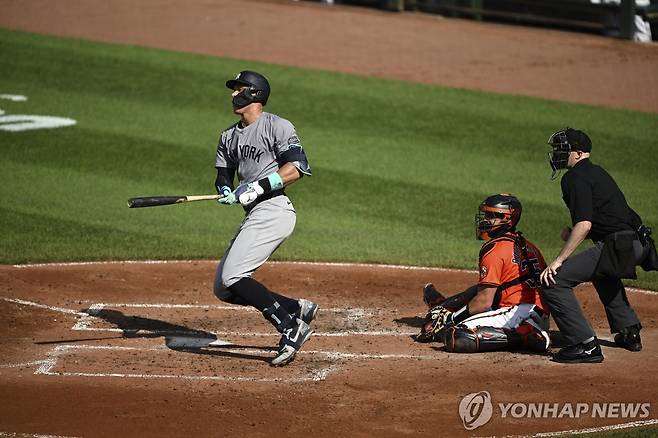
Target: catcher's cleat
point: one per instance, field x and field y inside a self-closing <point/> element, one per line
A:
<point x="431" y="296"/>
<point x="291" y="342"/>
<point x="307" y="311"/>
<point x="538" y="340"/>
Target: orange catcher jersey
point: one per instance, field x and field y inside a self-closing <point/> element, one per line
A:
<point x="502" y="260"/>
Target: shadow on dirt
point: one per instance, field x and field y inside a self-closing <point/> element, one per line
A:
<point x="411" y="321"/>
<point x="177" y="337"/>
<point x="140" y="327"/>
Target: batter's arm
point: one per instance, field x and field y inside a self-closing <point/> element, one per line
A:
<point x="289" y="174"/>
<point x="286" y="175"/>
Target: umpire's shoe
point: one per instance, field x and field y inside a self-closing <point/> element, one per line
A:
<point x="629" y="338"/>
<point x="307" y="310"/>
<point x="585" y="352"/>
<point x="291" y="342"/>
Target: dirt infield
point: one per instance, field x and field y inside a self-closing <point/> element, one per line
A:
<point x="125" y="349"/>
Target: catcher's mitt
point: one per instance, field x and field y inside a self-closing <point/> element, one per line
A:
<point x="436" y="321"/>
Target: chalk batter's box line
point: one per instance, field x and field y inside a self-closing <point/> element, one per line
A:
<point x="87" y="318"/>
<point x="47" y="365"/>
<point x="353" y="314"/>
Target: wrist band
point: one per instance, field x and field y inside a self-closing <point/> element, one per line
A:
<point x="272" y="182"/>
<point x="461" y="314"/>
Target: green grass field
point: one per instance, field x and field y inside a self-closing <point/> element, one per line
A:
<point x="399" y="168"/>
<point x="641" y="432"/>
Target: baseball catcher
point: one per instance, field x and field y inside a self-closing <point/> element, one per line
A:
<point x="504" y="310"/>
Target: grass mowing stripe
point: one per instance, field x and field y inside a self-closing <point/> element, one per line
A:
<point x="399" y="168"/>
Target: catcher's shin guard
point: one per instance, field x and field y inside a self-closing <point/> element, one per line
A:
<point x="461" y="339"/>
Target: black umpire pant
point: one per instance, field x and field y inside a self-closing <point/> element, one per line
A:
<point x="564" y="306"/>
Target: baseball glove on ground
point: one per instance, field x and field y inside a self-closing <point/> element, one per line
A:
<point x="436" y="321"/>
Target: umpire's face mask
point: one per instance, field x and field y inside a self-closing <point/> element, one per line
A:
<point x="559" y="157"/>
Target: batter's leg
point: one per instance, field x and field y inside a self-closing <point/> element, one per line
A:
<point x="291" y="305"/>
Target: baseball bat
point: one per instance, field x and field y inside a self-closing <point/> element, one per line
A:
<point x="154" y="201"/>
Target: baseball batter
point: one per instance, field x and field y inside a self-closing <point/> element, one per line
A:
<point x="504" y="310"/>
<point x="267" y="155"/>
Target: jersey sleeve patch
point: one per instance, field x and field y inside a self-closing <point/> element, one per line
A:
<point x="492" y="263"/>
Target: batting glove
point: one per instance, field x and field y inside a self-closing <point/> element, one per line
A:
<point x="247" y="193"/>
<point x="228" y="196"/>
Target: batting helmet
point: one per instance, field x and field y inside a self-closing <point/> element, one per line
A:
<point x="497" y="215"/>
<point x="258" y="88"/>
<point x="563" y="142"/>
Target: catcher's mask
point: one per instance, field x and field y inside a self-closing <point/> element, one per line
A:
<point x="497" y="215"/>
<point x="564" y="142"/>
<point x="257" y="88"/>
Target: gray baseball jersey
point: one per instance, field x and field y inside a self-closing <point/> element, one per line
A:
<point x="255" y="152"/>
<point x="259" y="149"/>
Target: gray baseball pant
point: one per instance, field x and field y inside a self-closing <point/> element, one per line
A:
<point x="564" y="307"/>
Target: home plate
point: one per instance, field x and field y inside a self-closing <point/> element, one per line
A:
<point x="193" y="342"/>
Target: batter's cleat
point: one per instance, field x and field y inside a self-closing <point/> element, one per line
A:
<point x="307" y="310"/>
<point x="291" y="342"/>
<point x="589" y="352"/>
<point x="629" y="338"/>
<point x="431" y="296"/>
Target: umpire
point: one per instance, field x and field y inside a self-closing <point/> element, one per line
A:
<point x="598" y="211"/>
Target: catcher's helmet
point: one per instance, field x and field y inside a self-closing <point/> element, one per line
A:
<point x="563" y="142"/>
<point x="258" y="88"/>
<point x="497" y="215"/>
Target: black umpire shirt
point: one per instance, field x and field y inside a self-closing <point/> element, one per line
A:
<point x="592" y="195"/>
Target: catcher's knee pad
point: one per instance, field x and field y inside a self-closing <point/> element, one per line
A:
<point x="461" y="339"/>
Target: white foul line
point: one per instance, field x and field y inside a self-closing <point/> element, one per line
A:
<point x="22" y="365"/>
<point x="44" y="306"/>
